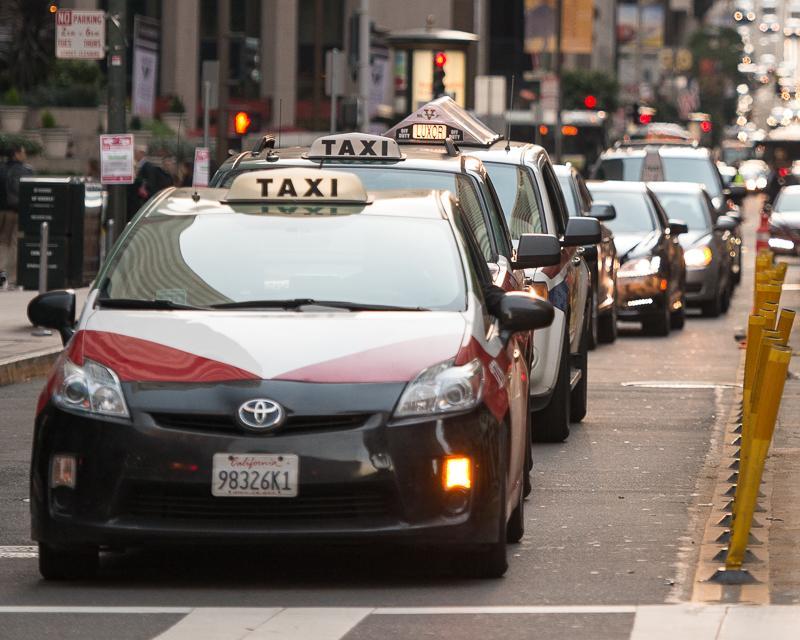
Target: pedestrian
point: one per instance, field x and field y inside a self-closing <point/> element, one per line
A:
<point x="150" y="179"/>
<point x="10" y="174"/>
<point x="93" y="169"/>
<point x="185" y="174"/>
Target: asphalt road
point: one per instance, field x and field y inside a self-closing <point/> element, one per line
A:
<point x="614" y="518"/>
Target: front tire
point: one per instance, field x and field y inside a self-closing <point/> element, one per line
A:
<point x="579" y="396"/>
<point x="659" y="325"/>
<point x="67" y="563"/>
<point x="551" y="424"/>
<point x="678" y="317"/>
<point x="594" y="322"/>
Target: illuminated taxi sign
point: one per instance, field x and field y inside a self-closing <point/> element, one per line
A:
<point x="439" y="120"/>
<point x="297" y="186"/>
<point x="354" y="146"/>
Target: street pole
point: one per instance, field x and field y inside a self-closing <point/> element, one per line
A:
<point x="223" y="55"/>
<point x="206" y="118"/>
<point x="334" y="57"/>
<point x="363" y="67"/>
<point x="117" y="201"/>
<point x="557" y="69"/>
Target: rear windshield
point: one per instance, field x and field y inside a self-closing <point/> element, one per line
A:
<point x="620" y="169"/>
<point x="635" y="212"/>
<point x="788" y="201"/>
<point x="239" y="254"/>
<point x="689" y="207"/>
<point x="698" y="170"/>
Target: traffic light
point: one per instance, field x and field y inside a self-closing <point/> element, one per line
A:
<point x="241" y="122"/>
<point x="439" y="60"/>
<point x="706" y="126"/>
<point x="590" y="102"/>
<point x="646" y="114"/>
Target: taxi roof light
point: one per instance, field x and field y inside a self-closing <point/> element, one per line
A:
<point x="457" y="473"/>
<point x="297" y="186"/>
<point x="354" y="146"/>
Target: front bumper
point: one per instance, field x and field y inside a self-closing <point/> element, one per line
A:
<point x="701" y="284"/>
<point x="639" y="297"/>
<point x="785" y="242"/>
<point x="148" y="481"/>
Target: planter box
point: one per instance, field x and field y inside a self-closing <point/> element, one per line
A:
<point x="55" y="142"/>
<point x="175" y="120"/>
<point x="12" y="119"/>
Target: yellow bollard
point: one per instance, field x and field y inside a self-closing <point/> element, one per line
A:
<point x="774" y="378"/>
<point x="766" y="292"/>
<point x="784" y="325"/>
<point x="780" y="271"/>
<point x="770" y="314"/>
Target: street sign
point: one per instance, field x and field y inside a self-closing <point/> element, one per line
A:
<point x="116" y="159"/>
<point x="80" y="35"/>
<point x="202" y="158"/>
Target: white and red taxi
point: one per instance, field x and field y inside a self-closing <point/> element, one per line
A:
<point x="290" y="359"/>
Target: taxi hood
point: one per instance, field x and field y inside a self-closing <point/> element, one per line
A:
<point x="332" y="347"/>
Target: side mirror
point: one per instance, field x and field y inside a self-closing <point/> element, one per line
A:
<point x="604" y="211"/>
<point x="521" y="312"/>
<point x="537" y="250"/>
<point x="581" y="231"/>
<point x="54" y="310"/>
<point x="677" y="227"/>
<point x="726" y="223"/>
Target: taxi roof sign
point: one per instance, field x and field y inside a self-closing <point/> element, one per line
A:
<point x="439" y="120"/>
<point x="299" y="186"/>
<point x="354" y="146"/>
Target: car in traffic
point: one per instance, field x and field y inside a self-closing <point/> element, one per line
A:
<point x="674" y="163"/>
<point x="651" y="280"/>
<point x="706" y="245"/>
<point x="601" y="257"/>
<point x="340" y="367"/>
<point x="784" y="222"/>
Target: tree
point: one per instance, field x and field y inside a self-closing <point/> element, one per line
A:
<point x="581" y="83"/>
<point x="26" y="59"/>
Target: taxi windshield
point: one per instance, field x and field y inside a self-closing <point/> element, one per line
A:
<point x="240" y="254"/>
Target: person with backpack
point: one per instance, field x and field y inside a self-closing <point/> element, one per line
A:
<point x="10" y="174"/>
<point x="150" y="179"/>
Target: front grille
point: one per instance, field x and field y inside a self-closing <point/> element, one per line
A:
<point x="190" y="503"/>
<point x="226" y="422"/>
<point x="693" y="287"/>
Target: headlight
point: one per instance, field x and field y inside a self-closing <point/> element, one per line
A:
<point x="442" y="388"/>
<point x="640" y="267"/>
<point x="761" y="183"/>
<point x="92" y="388"/>
<point x="698" y="257"/>
<point x="750" y="184"/>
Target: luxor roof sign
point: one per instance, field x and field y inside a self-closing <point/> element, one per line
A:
<point x="297" y="186"/>
<point x="354" y="146"/>
<point x="439" y="120"/>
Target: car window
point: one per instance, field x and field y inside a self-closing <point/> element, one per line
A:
<point x="557" y="204"/>
<point x="473" y="212"/>
<point x="585" y="195"/>
<point x="266" y="257"/>
<point x="788" y="201"/>
<point x="689" y="207"/>
<point x="620" y="169"/>
<point x="635" y="212"/>
<point x="517" y="194"/>
<point x="500" y="231"/>
<point x="570" y="197"/>
<point x="697" y="170"/>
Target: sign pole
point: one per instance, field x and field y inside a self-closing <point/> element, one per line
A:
<point x="223" y="55"/>
<point x="206" y="113"/>
<point x="557" y="68"/>
<point x="116" y="100"/>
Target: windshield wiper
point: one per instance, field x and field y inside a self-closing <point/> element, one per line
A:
<point x="297" y="303"/>
<point x="135" y="303"/>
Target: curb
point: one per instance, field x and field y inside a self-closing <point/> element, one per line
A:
<point x="31" y="365"/>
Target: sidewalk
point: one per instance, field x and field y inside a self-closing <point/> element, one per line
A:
<point x="22" y="355"/>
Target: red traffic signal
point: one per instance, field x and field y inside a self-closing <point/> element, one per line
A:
<point x="439" y="59"/>
<point x="241" y="122"/>
<point x="590" y="102"/>
<point x="705" y="125"/>
<point x="645" y="118"/>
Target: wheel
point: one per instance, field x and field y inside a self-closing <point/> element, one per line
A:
<point x="737" y="275"/>
<point x="67" y="563"/>
<point x="527" y="485"/>
<point x="551" y="424"/>
<point x="712" y="308"/>
<point x="579" y="396"/>
<point x="607" y="326"/>
<point x="726" y="297"/>
<point x="677" y="318"/>
<point x="593" y="321"/>
<point x="659" y="325"/>
<point x="515" y="528"/>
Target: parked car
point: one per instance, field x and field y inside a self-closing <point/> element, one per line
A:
<point x="784" y="222"/>
<point x="706" y="245"/>
<point x="651" y="281"/>
<point x="601" y="257"/>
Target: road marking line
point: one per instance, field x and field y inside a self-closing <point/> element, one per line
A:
<point x="775" y="623"/>
<point x="478" y="610"/>
<point x="23" y="551"/>
<point x="677" y="621"/>
<point x="219" y="623"/>
<point x="305" y="623"/>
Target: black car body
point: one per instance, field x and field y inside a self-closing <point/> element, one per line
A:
<point x="651" y="280"/>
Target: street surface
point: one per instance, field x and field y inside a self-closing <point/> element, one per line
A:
<point x="614" y="521"/>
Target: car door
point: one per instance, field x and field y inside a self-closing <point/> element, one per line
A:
<point x="723" y="241"/>
<point x="673" y="253"/>
<point x="606" y="251"/>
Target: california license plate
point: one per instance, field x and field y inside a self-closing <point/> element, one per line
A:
<point x="272" y="475"/>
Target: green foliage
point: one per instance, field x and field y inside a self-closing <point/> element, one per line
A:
<point x="71" y="83"/>
<point x="48" y="121"/>
<point x="175" y="105"/>
<point x="10" y="140"/>
<point x="27" y="59"/>
<point x="582" y="82"/>
<point x="11" y="98"/>
<point x="159" y="129"/>
<point x="136" y="123"/>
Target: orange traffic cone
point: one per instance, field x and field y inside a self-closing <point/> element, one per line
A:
<point x="762" y="233"/>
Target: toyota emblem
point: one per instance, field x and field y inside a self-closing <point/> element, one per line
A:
<point x="261" y="414"/>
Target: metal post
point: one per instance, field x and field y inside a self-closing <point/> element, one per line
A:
<point x="223" y="55"/>
<point x="109" y="237"/>
<point x="116" y="65"/>
<point x="363" y="67"/>
<point x="44" y="241"/>
<point x="206" y="114"/>
<point x="334" y="94"/>
<point x="557" y="70"/>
